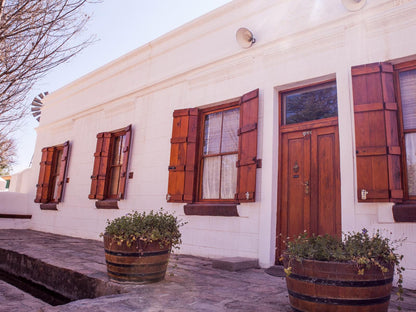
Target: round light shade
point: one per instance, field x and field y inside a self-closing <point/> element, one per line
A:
<point x="354" y="5"/>
<point x="244" y="37"/>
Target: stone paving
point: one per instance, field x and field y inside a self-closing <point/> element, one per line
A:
<point x="13" y="299"/>
<point x="191" y="284"/>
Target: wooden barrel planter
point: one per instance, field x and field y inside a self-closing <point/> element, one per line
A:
<point x="140" y="263"/>
<point x="334" y="286"/>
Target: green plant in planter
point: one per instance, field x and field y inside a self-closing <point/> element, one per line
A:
<point x="138" y="245"/>
<point x="367" y="253"/>
<point x="159" y="226"/>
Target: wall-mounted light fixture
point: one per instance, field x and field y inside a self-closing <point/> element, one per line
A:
<point x="354" y="5"/>
<point x="245" y="38"/>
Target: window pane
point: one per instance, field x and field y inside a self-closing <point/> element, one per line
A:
<point x="410" y="139"/>
<point x="408" y="95"/>
<point x="211" y="177"/>
<point x="55" y="174"/>
<point x="117" y="150"/>
<point x="310" y="104"/>
<point x="231" y="123"/>
<point x="212" y="133"/>
<point x="114" y="180"/>
<point x="116" y="162"/>
<point x="229" y="176"/>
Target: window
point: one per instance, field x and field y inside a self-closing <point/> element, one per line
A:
<point x="213" y="157"/>
<point x="219" y="155"/>
<point x="405" y="75"/>
<point x="108" y="180"/>
<point x="52" y="174"/>
<point x="406" y="79"/>
<point x="310" y="103"/>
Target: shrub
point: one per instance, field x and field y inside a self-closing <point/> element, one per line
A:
<point x="158" y="226"/>
<point x="359" y="248"/>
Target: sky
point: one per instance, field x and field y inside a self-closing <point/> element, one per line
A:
<point x="119" y="27"/>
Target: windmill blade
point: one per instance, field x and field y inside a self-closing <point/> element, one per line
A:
<point x="36" y="106"/>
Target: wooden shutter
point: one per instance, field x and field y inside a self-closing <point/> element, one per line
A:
<point x="124" y="166"/>
<point x="376" y="133"/>
<point x="183" y="156"/>
<point x="99" y="174"/>
<point x="42" y="187"/>
<point x="62" y="171"/>
<point x="247" y="153"/>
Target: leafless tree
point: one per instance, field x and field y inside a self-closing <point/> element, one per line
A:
<point x="7" y="153"/>
<point x="35" y="36"/>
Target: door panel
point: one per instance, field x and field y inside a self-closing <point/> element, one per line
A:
<point x="309" y="183"/>
<point x="325" y="175"/>
<point x="293" y="188"/>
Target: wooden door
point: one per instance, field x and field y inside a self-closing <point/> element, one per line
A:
<point x="309" y="181"/>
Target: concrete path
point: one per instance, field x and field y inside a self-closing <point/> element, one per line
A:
<point x="191" y="283"/>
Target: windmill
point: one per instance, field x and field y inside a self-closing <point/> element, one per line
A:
<point x="37" y="104"/>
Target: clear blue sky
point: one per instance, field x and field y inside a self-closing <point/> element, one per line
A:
<point x="120" y="27"/>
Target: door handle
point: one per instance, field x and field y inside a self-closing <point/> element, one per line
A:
<point x="306" y="187"/>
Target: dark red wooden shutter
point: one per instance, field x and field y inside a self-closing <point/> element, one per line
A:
<point x="247" y="154"/>
<point x="183" y="156"/>
<point x="62" y="171"/>
<point x="376" y="133"/>
<point x="99" y="174"/>
<point x="39" y="186"/>
<point x="42" y="188"/>
<point x="124" y="166"/>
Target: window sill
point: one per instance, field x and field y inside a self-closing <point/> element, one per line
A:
<point x="211" y="209"/>
<point x="106" y="204"/>
<point x="14" y="216"/>
<point x="49" y="206"/>
<point x="404" y="212"/>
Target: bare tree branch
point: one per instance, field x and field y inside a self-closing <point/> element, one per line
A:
<point x="35" y="36"/>
<point x="7" y="152"/>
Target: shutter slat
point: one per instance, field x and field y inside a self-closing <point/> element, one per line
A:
<point x="103" y="167"/>
<point x="183" y="156"/>
<point x="62" y="171"/>
<point x="41" y="179"/>
<point x="376" y="133"/>
<point x="100" y="166"/>
<point x="247" y="153"/>
<point x="45" y="197"/>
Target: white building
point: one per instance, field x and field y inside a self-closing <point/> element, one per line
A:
<point x="323" y="141"/>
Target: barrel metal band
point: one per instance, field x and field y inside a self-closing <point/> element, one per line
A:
<point x="137" y="254"/>
<point x="136" y="274"/>
<point x="321" y="281"/>
<point x="348" y="302"/>
<point x="136" y="265"/>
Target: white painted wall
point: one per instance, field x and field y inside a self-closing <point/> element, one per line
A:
<point x="298" y="42"/>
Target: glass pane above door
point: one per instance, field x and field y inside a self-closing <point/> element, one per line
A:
<point x="310" y="103"/>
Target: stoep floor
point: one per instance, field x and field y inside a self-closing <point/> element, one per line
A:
<point x="191" y="283"/>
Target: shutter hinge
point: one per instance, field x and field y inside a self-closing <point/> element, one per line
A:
<point x="259" y="163"/>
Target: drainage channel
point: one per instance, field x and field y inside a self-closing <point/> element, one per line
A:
<point x="38" y="291"/>
<point x="49" y="283"/>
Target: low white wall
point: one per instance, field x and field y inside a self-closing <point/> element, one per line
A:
<point x="12" y="203"/>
